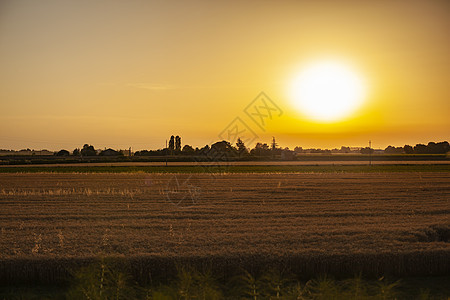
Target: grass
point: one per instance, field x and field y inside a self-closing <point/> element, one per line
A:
<point x="232" y="169"/>
<point x="105" y="279"/>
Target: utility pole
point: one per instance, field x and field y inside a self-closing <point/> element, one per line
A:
<point x="166" y="153"/>
<point x="370" y="152"/>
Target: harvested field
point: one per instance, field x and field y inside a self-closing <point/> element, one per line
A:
<point x="326" y="167"/>
<point x="339" y="223"/>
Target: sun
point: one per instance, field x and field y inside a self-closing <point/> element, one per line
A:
<point x="327" y="91"/>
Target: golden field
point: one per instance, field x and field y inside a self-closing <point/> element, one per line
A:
<point x="337" y="223"/>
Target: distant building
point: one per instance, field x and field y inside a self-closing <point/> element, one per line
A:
<point x="109" y="152"/>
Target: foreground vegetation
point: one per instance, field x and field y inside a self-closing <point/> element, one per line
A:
<point x="106" y="280"/>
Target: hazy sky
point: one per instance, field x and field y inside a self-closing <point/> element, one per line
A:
<point x="132" y="73"/>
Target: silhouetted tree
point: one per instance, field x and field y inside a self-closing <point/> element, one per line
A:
<point x="241" y="149"/>
<point x="63" y="153"/>
<point x="202" y="151"/>
<point x="177" y="143"/>
<point x="432" y="148"/>
<point x="172" y="144"/>
<point x="76" y="152"/>
<point x="221" y="151"/>
<point x="88" y="150"/>
<point x="260" y="150"/>
<point x="438" y="148"/>
<point x="274" y="148"/>
<point x="188" y="150"/>
<point x="393" y="150"/>
<point x="366" y="150"/>
<point x="274" y="144"/>
<point x="222" y="146"/>
<point x="420" y="149"/>
<point x="345" y="149"/>
<point x="298" y="149"/>
<point x="445" y="146"/>
<point x="408" y="149"/>
<point x="141" y="153"/>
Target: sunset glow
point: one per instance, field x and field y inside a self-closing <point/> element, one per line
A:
<point x="327" y="91"/>
<point x="130" y="74"/>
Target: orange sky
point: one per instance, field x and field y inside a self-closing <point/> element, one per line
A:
<point x="132" y="73"/>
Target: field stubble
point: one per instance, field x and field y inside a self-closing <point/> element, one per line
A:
<point x="342" y="224"/>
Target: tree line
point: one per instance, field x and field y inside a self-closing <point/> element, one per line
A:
<point x="223" y="148"/>
<point x="430" y="148"/>
<point x="89" y="150"/>
<point x="240" y="150"/>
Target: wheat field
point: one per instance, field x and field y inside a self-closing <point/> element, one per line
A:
<point x="334" y="223"/>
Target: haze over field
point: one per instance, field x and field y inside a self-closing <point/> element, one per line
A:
<point x="132" y="73"/>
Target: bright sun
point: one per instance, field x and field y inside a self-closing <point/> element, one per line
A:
<point x="327" y="91"/>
